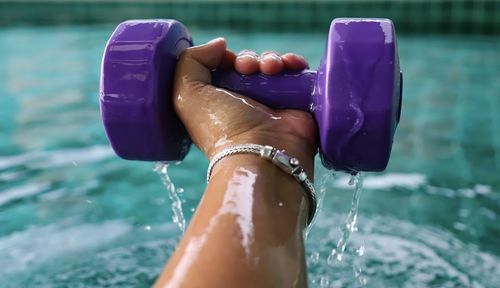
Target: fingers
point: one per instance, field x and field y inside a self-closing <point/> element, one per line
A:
<point x="247" y="62"/>
<point x="228" y="60"/>
<point x="269" y="62"/>
<point x="196" y="62"/>
<point x="294" y="62"/>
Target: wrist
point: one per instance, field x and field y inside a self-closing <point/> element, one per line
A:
<point x="277" y="190"/>
<point x="290" y="165"/>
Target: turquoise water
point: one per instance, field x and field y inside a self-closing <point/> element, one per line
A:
<point x="74" y="215"/>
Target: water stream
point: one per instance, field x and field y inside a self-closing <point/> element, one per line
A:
<point x="336" y="258"/>
<point x="350" y="223"/>
<point x="174" y="194"/>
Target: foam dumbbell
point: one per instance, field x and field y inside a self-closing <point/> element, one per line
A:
<point x="354" y="96"/>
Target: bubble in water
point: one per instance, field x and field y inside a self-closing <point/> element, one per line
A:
<point x="324" y="282"/>
<point x="314" y="257"/>
<point x="173" y="194"/>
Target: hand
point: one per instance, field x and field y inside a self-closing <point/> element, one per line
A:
<point x="216" y="118"/>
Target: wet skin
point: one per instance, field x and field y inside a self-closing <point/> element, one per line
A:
<point x="248" y="228"/>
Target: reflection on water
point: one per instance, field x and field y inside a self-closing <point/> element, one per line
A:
<point x="71" y="213"/>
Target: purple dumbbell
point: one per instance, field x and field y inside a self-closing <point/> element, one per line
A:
<point x="355" y="95"/>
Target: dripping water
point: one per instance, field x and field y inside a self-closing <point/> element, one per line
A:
<point x="174" y="194"/>
<point x="320" y="195"/>
<point x="350" y="223"/>
<point x="337" y="256"/>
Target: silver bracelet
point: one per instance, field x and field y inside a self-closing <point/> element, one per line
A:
<point x="286" y="163"/>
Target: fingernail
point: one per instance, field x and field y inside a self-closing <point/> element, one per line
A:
<point x="271" y="57"/>
<point x="247" y="56"/>
<point x="215" y="40"/>
<point x="269" y="52"/>
<point x="247" y="53"/>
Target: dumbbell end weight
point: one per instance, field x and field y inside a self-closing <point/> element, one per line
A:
<point x="352" y="95"/>
<point x="135" y="90"/>
<point x="358" y="95"/>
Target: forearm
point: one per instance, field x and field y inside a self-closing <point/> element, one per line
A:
<point x="247" y="230"/>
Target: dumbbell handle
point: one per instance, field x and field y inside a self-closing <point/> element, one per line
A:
<point x="291" y="90"/>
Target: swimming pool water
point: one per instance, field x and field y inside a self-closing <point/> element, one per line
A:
<point x="72" y="214"/>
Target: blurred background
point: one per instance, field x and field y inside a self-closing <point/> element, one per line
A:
<point x="72" y="214"/>
<point x="411" y="16"/>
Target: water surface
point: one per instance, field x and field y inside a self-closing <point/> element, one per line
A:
<point x="72" y="214"/>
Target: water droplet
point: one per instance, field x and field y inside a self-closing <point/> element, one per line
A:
<point x="360" y="251"/>
<point x="333" y="258"/>
<point x="312" y="107"/>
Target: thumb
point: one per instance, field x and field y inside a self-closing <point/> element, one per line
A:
<point x="196" y="62"/>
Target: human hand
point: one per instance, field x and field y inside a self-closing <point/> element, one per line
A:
<point x="216" y="118"/>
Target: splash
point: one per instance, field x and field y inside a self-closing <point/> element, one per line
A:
<point x="174" y="194"/>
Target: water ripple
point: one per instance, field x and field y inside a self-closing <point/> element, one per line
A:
<point x="56" y="158"/>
